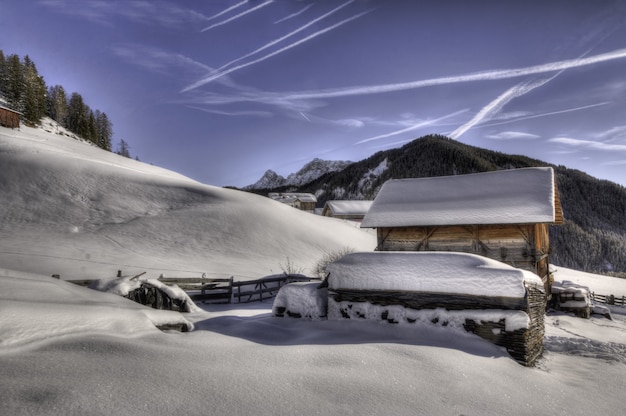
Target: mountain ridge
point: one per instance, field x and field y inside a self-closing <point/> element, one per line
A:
<point x="592" y="239"/>
<point x="309" y="172"/>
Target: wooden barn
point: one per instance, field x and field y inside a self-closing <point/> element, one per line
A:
<point x="347" y="210"/>
<point x="503" y="215"/>
<point x="9" y="118"/>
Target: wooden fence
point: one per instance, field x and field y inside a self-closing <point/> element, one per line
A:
<point x="608" y="299"/>
<point x="224" y="290"/>
<point x="257" y="290"/>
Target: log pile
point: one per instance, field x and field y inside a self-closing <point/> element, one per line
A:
<point x="524" y="345"/>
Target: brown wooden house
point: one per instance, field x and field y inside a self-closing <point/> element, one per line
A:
<point x="503" y="215"/>
<point x="9" y="118"/>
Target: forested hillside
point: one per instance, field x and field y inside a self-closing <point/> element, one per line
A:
<point x="23" y="89"/>
<point x="592" y="239"/>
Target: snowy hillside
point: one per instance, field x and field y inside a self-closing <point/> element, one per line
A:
<point x="72" y="209"/>
<point x="83" y="212"/>
<point x="309" y="172"/>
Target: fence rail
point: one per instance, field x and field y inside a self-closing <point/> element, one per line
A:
<point x="608" y="299"/>
<point x="265" y="288"/>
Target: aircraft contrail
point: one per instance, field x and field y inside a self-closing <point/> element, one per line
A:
<point x="288" y="35"/>
<point x="413" y="127"/>
<point x="298" y="13"/>
<point x="480" y="76"/>
<point x="223" y="12"/>
<point x="230" y="19"/>
<point x="265" y="57"/>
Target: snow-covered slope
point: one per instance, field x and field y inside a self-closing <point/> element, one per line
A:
<point x="82" y="212"/>
<point x="69" y="208"/>
<point x="309" y="172"/>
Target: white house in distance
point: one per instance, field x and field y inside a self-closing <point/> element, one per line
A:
<point x="347" y="210"/>
<point x="302" y="201"/>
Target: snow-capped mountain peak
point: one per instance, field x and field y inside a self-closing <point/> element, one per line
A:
<point x="309" y="172"/>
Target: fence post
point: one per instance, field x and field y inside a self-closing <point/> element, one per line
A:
<point x="611" y="300"/>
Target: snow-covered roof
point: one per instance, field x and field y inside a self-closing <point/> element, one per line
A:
<point x="9" y="109"/>
<point x="346" y="207"/>
<point x="517" y="196"/>
<point x="434" y="272"/>
<point x="292" y="196"/>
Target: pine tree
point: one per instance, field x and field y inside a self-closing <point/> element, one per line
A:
<point x="104" y="129"/>
<point x="57" y="104"/>
<point x="14" y="82"/>
<point x="77" y="116"/>
<point x="34" y="93"/>
<point x="123" y="149"/>
<point x="3" y="64"/>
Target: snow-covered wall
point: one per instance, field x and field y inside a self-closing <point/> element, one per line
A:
<point x="435" y="272"/>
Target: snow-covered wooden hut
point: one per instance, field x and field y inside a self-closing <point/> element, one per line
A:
<point x="503" y="215"/>
<point x="9" y="118"/>
<point x="347" y="210"/>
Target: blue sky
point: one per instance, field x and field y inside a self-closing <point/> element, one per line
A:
<point x="223" y="90"/>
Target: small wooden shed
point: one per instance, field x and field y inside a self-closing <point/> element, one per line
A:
<point x="503" y="215"/>
<point x="9" y="118"/>
<point x="347" y="210"/>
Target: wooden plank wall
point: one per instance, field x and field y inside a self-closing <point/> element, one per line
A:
<point x="521" y="246"/>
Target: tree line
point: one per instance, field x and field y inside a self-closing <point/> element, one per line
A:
<point x="25" y="91"/>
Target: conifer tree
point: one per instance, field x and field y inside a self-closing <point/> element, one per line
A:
<point x="57" y="104"/>
<point x="34" y="93"/>
<point x="14" y="82"/>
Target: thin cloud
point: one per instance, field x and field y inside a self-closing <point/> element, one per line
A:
<point x="272" y="54"/>
<point x="512" y="135"/>
<point x="229" y="9"/>
<point x="237" y="16"/>
<point x="514" y="119"/>
<point x="282" y="38"/>
<point x="588" y="144"/>
<point x="232" y="113"/>
<point x="411" y="128"/>
<point x="496" y="105"/>
<point x="480" y="76"/>
<point x="298" y="13"/>
<point x="145" y="12"/>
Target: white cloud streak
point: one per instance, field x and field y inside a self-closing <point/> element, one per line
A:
<point x="411" y="128"/>
<point x="298" y="13"/>
<point x="229" y="9"/>
<point x="512" y="135"/>
<point x="480" y="76"/>
<point x="237" y="16"/>
<point x="496" y="105"/>
<point x="272" y="54"/>
<point x="589" y="144"/>
<point x="282" y="38"/>
<point x="550" y="113"/>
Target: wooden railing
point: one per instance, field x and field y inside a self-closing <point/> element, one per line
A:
<point x="202" y="289"/>
<point x="224" y="290"/>
<point x="608" y="299"/>
<point x="257" y="290"/>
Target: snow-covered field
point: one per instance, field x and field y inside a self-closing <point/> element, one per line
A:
<point x="68" y="208"/>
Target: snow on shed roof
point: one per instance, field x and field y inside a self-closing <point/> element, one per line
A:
<point x="517" y="196"/>
<point x="435" y="272"/>
<point x="346" y="207"/>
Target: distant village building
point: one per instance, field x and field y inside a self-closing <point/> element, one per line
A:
<point x="9" y="118"/>
<point x="347" y="210"/>
<point x="503" y="215"/>
<point x="302" y="201"/>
